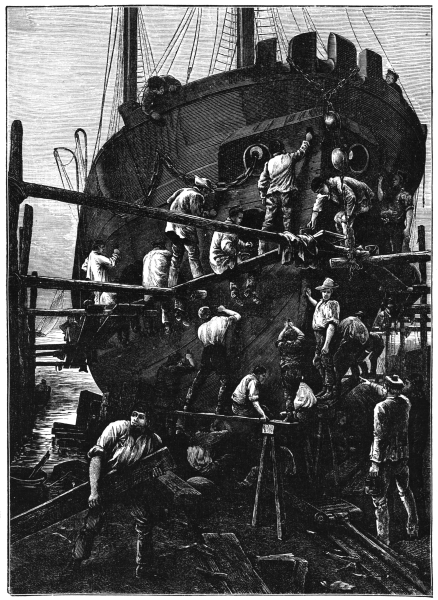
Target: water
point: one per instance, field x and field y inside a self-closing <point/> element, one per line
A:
<point x="66" y="386"/>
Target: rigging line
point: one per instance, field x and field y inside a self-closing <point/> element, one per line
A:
<point x="148" y="47"/>
<point x="352" y="29"/>
<point x="195" y="44"/>
<point x="107" y="72"/>
<point x="277" y="35"/>
<point x="222" y="35"/>
<point x="170" y="45"/>
<point x="296" y="22"/>
<point x="214" y="43"/>
<point x="387" y="57"/>
<point x="317" y="33"/>
<point x="118" y="90"/>
<point x="182" y="36"/>
<point x="282" y="31"/>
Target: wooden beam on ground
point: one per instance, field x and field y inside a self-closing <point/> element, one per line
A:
<point x="50" y="283"/>
<point x="53" y="346"/>
<point x="214" y="416"/>
<point x="36" y="190"/>
<point x="229" y="557"/>
<point x="385" y="259"/>
<point x="50" y="363"/>
<point x="75" y="500"/>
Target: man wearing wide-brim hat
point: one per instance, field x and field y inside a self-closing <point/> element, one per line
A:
<point x="325" y="321"/>
<point x="389" y="455"/>
<point x="396" y="209"/>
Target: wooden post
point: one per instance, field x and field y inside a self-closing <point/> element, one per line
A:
<point x="423" y="316"/>
<point x="401" y="350"/>
<point x="25" y="244"/>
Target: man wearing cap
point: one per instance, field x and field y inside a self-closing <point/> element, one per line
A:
<point x="290" y="344"/>
<point x="396" y="212"/>
<point x="189" y="201"/>
<point x="391" y="79"/>
<point x="97" y="265"/>
<point x="156" y="265"/>
<point x="389" y="455"/>
<point x="354" y="197"/>
<point x="122" y="443"/>
<point x="351" y="337"/>
<point x="277" y="185"/>
<point x="224" y="251"/>
<point x="325" y="321"/>
<point x="212" y="334"/>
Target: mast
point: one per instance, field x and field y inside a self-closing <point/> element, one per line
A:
<point x="245" y="37"/>
<point x="130" y="16"/>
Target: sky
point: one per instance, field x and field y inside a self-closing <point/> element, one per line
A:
<point x="56" y="60"/>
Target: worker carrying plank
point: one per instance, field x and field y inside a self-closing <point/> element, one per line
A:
<point x="122" y="444"/>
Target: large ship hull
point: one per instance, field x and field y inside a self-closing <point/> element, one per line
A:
<point x="206" y="129"/>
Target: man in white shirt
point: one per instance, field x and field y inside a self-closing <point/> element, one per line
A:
<point x="246" y="396"/>
<point x="324" y="324"/>
<point x="156" y="264"/>
<point x="212" y="334"/>
<point x="277" y="184"/>
<point x="389" y="455"/>
<point x="184" y="238"/>
<point x="97" y="265"/>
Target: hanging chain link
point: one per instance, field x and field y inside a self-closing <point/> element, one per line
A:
<point x="306" y="76"/>
<point x="341" y="83"/>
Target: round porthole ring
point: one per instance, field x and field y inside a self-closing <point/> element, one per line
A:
<point x="367" y="162"/>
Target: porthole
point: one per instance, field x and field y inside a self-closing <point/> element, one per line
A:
<point x="358" y="158"/>
<point x="256" y="151"/>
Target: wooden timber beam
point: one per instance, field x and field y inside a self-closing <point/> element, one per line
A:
<point x="132" y="311"/>
<point x="50" y="363"/>
<point x="53" y="346"/>
<point x="91" y="286"/>
<point x="214" y="416"/>
<point x="385" y="259"/>
<point x="416" y="309"/>
<point x="244" y="267"/>
<point x="36" y="190"/>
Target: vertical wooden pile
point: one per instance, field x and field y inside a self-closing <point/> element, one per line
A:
<point x="21" y="362"/>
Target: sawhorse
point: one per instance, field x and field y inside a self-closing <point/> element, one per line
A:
<point x="268" y="439"/>
<point x="324" y="429"/>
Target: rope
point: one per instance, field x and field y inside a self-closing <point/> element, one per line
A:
<point x="171" y="44"/>
<point x="117" y="98"/>
<point x="313" y="28"/>
<point x="387" y="57"/>
<point x="195" y="44"/>
<point x="210" y="70"/>
<point x="354" y="33"/>
<point x="106" y="78"/>
<point x="182" y="35"/>
<point x="296" y="22"/>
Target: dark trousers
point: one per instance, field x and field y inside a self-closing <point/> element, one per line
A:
<point x="290" y="379"/>
<point x="214" y="358"/>
<point x="140" y="510"/>
<point x="179" y="247"/>
<point x="324" y="362"/>
<point x="276" y="204"/>
<point x="346" y="357"/>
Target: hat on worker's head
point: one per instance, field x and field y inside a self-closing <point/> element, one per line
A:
<point x="393" y="73"/>
<point x="141" y="405"/>
<point x="317" y="183"/>
<point x="359" y="314"/>
<point x="203" y="183"/>
<point x="328" y="284"/>
<point x="402" y="174"/>
<point x="394" y="381"/>
<point x="204" y="312"/>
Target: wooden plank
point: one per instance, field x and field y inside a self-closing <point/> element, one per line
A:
<point x="284" y="573"/>
<point x="91" y="286"/>
<point x="130" y="310"/>
<point x="176" y="491"/>
<point x="417" y="309"/>
<point x="386" y="259"/>
<point x="52" y="346"/>
<point x="52" y="193"/>
<point x="214" y="416"/>
<point x="232" y="560"/>
<point x="75" y="500"/>
<point x="50" y="363"/>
